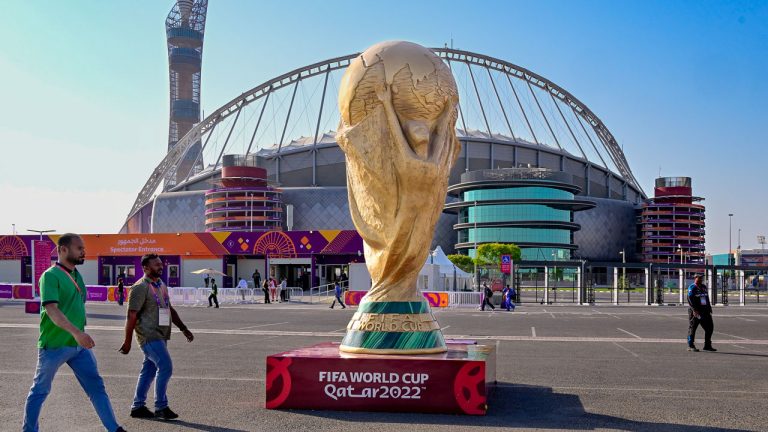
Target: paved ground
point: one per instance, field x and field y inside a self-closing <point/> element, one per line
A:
<point x="560" y="368"/>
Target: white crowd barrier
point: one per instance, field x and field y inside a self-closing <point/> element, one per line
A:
<point x="463" y="299"/>
<point x="183" y="296"/>
<point x="199" y="296"/>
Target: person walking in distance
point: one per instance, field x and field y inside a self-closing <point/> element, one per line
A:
<point x="242" y="286"/>
<point x="63" y="339"/>
<point x="120" y="291"/>
<point x="337" y="293"/>
<point x="699" y="312"/>
<point x="272" y="289"/>
<point x="282" y="289"/>
<point x="265" y="288"/>
<point x="487" y="295"/>
<point x="214" y="297"/>
<point x="207" y="280"/>
<point x="256" y="276"/>
<point x="510" y="298"/>
<point x="150" y="314"/>
<point x="504" y="297"/>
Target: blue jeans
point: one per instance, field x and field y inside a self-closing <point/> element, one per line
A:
<point x="157" y="366"/>
<point x="83" y="364"/>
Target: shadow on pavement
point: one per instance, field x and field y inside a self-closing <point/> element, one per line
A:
<point x="204" y="427"/>
<point x="740" y="354"/>
<point x="520" y="406"/>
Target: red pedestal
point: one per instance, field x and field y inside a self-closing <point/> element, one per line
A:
<point x="322" y="378"/>
<point x="32" y="307"/>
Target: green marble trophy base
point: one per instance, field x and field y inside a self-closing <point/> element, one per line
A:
<point x="393" y="328"/>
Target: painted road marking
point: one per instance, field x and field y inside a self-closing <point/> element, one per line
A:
<point x="629" y="333"/>
<point x="262" y="325"/>
<point x="632" y="389"/>
<point x="233" y="345"/>
<point x="333" y="335"/>
<point x="627" y="350"/>
<point x="30" y="373"/>
<point x="730" y="335"/>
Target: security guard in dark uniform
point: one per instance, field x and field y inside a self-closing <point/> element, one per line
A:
<point x="699" y="312"/>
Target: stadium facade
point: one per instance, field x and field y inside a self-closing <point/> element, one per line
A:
<point x="524" y="122"/>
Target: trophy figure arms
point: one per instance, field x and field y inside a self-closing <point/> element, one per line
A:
<point x="444" y="152"/>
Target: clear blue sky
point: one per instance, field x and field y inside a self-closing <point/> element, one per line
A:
<point x="84" y="108"/>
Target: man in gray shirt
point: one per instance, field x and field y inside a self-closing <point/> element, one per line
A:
<point x="150" y="313"/>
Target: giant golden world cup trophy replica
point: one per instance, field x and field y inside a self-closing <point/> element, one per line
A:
<point x="398" y="103"/>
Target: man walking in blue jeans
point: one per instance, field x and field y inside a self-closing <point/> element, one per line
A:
<point x="337" y="292"/>
<point x="150" y="313"/>
<point x="63" y="338"/>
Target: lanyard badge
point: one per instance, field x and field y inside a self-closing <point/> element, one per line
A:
<point x="79" y="291"/>
<point x="155" y="286"/>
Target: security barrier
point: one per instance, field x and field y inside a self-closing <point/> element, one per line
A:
<point x="463" y="299"/>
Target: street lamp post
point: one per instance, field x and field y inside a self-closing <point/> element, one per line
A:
<point x="477" y="277"/>
<point x="554" y="259"/>
<point x="623" y="269"/>
<point x="730" y="233"/>
<point x="41" y="232"/>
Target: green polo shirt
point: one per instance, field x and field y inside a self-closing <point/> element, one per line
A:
<point x="57" y="287"/>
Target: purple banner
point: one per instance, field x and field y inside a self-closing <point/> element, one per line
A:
<point x="41" y="261"/>
<point x="6" y="291"/>
<point x="97" y="293"/>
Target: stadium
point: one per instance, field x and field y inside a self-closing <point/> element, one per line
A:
<point x="268" y="159"/>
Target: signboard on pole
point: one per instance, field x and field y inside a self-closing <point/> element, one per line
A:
<point x="41" y="261"/>
<point x="506" y="264"/>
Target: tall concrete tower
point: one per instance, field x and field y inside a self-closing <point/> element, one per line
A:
<point x="185" y="30"/>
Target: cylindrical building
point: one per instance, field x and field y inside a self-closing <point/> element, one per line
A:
<point x="243" y="201"/>
<point x="672" y="224"/>
<point x="530" y="207"/>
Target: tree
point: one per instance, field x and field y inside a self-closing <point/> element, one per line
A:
<point x="490" y="253"/>
<point x="464" y="262"/>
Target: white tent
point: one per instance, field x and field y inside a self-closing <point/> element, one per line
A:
<point x="438" y="257"/>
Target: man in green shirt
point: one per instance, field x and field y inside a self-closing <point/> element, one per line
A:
<point x="63" y="338"/>
<point x="150" y="313"/>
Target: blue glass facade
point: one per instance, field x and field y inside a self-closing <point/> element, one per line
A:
<point x="512" y="213"/>
<point x="532" y="208"/>
<point x="522" y="192"/>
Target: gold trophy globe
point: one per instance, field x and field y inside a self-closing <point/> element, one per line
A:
<point x="398" y="103"/>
